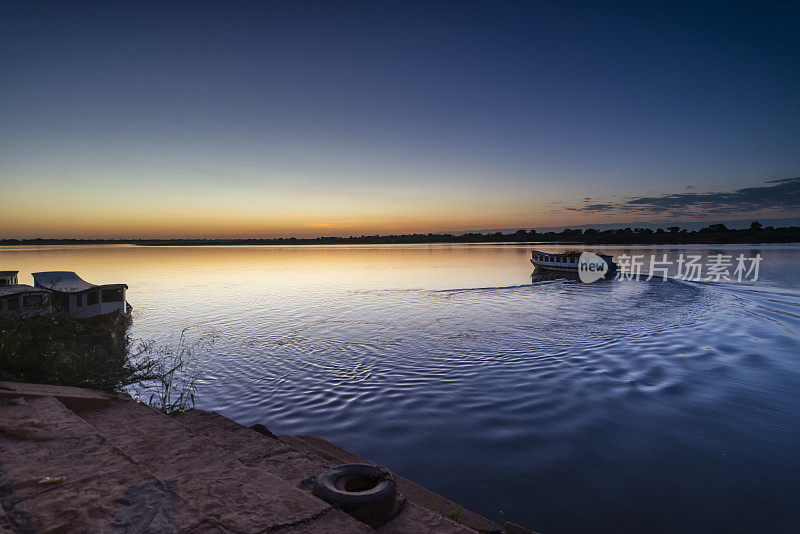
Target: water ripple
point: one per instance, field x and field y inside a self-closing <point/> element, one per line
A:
<point x="624" y="401"/>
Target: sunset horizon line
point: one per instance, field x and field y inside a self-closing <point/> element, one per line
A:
<point x="689" y="225"/>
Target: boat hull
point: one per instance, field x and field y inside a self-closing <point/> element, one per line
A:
<point x="559" y="268"/>
<point x="612" y="268"/>
<point x="114" y="319"/>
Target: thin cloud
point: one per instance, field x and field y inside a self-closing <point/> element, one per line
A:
<point x="781" y="195"/>
<point x="596" y="208"/>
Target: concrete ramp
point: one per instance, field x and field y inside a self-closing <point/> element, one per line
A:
<point x="116" y="465"/>
<point x="238" y="497"/>
<point x="297" y="458"/>
<point x="102" y="491"/>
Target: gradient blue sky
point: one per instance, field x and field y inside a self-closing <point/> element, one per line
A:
<point x="305" y="118"/>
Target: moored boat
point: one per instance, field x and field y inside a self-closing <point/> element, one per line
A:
<point x="23" y="301"/>
<point x="8" y="278"/>
<point x="80" y="299"/>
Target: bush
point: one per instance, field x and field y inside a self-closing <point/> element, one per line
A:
<point x="59" y="351"/>
<point x="63" y="352"/>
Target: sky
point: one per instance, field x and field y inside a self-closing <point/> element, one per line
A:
<point x="265" y="119"/>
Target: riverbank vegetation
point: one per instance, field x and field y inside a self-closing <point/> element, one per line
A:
<point x="173" y="371"/>
<point x="712" y="234"/>
<point x="62" y="352"/>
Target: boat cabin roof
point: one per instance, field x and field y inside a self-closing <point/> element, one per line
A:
<point x="16" y="289"/>
<point x="8" y="273"/>
<point x="567" y="254"/>
<point x="66" y="282"/>
<point x="555" y="253"/>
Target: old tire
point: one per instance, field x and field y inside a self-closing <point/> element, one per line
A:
<point x="364" y="491"/>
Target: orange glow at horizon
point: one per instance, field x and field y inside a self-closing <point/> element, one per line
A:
<point x="131" y="226"/>
<point x="126" y="216"/>
<point x="260" y="210"/>
<point x="22" y="223"/>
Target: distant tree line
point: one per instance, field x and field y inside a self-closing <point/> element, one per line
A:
<point x="714" y="233"/>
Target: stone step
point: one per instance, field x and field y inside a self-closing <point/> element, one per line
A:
<point x="76" y="399"/>
<point x="297" y="458"/>
<point x="253" y="449"/>
<point x="103" y="490"/>
<point x="213" y="475"/>
<point x="5" y="525"/>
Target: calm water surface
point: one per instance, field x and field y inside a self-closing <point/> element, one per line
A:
<point x="614" y="406"/>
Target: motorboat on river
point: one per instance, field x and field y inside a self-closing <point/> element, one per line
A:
<point x="566" y="261"/>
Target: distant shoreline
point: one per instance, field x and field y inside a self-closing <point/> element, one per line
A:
<point x="713" y="234"/>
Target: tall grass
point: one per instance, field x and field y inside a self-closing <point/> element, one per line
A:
<point x="173" y="366"/>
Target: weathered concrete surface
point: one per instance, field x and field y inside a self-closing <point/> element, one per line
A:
<point x="104" y="491"/>
<point x="414" y="492"/>
<point x="76" y="399"/>
<point x="5" y="526"/>
<point x="129" y="468"/>
<point x="238" y="497"/>
<point x="331" y="522"/>
<point x="420" y="520"/>
<point x="297" y="458"/>
<point x="254" y="449"/>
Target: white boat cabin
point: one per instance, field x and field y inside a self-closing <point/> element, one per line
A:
<point x="565" y="261"/>
<point x="8" y="278"/>
<point x="555" y="262"/>
<point x="21" y="300"/>
<point x="79" y="298"/>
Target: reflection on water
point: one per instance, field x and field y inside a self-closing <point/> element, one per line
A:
<point x="647" y="406"/>
<point x="546" y="275"/>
